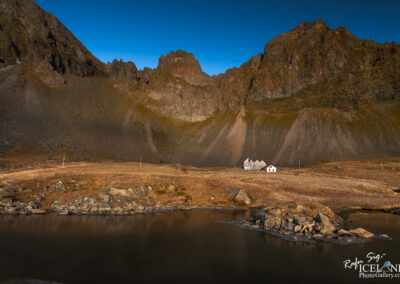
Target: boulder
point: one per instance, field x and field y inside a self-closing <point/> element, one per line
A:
<point x="58" y="186"/>
<point x="38" y="211"/>
<point x="103" y="208"/>
<point x="297" y="228"/>
<point x="116" y="191"/>
<point x="6" y="202"/>
<point x="105" y="197"/>
<point x="331" y="235"/>
<point x="171" y="188"/>
<point x="362" y="233"/>
<point x="290" y="226"/>
<point x="326" y="224"/>
<point x="317" y="227"/>
<point x="243" y="198"/>
<point x="231" y="193"/>
<point x="276" y="211"/>
<point x="277" y="223"/>
<point x="63" y="212"/>
<point x="240" y="196"/>
<point x="300" y="220"/>
<point x="140" y="191"/>
<point x="384" y="237"/>
<point x="307" y="226"/>
<point x="318" y="236"/>
<point x="55" y="205"/>
<point x="269" y="224"/>
<point x="343" y="232"/>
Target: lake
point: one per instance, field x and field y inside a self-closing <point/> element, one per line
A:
<point x="177" y="247"/>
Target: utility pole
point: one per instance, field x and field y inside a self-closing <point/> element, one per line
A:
<point x="299" y="164"/>
<point x="63" y="161"/>
<point x="140" y="162"/>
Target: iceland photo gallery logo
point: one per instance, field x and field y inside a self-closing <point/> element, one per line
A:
<point x="373" y="265"/>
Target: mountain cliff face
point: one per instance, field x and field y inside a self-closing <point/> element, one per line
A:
<point x="29" y="33"/>
<point x="180" y="89"/>
<point x="313" y="57"/>
<point x="332" y="67"/>
<point x="314" y="94"/>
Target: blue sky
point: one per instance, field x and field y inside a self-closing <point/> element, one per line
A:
<point x="221" y="34"/>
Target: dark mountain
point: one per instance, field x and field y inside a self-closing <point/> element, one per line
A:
<point x="314" y="94"/>
<point x="29" y="33"/>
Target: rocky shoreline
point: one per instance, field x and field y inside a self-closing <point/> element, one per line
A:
<point x="294" y="222"/>
<point x="290" y="221"/>
<point x="108" y="201"/>
<point x="91" y="206"/>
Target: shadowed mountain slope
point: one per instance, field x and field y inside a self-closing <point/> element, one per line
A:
<point x="314" y="94"/>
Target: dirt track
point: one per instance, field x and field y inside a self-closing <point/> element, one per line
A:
<point x="364" y="184"/>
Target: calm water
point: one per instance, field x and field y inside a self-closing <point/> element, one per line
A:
<point x="180" y="247"/>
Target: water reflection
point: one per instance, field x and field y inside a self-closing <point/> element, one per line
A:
<point x="187" y="247"/>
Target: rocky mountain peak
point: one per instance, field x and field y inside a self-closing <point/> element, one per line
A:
<point x="317" y="25"/>
<point x="27" y="33"/>
<point x="183" y="65"/>
<point x="178" y="57"/>
<point x="309" y="35"/>
<point x="118" y="69"/>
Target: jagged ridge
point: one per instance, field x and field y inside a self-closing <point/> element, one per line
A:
<point x="315" y="93"/>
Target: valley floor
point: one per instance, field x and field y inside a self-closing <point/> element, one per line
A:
<point x="346" y="184"/>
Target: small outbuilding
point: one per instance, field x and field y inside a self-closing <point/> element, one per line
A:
<point x="269" y="169"/>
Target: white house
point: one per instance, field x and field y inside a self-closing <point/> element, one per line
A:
<point x="269" y="169"/>
<point x="250" y="165"/>
<point x="259" y="165"/>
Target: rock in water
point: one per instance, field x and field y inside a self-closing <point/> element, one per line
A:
<point x="362" y="233"/>
<point x="343" y="232"/>
<point x="384" y="237"/>
<point x="326" y="224"/>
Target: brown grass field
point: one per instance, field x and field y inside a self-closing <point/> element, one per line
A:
<point x="345" y="184"/>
